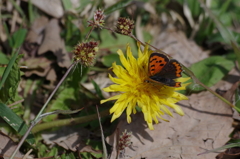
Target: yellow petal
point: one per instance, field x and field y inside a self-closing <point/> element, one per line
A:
<point x="116" y="80"/>
<point x="162" y="107"/>
<point x="179" y="96"/>
<point x="177" y="108"/>
<point x="183" y="79"/>
<point x="111" y="98"/>
<point x="150" y="126"/>
<point x="123" y="60"/>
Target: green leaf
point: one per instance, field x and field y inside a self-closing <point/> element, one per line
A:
<point x="194" y="8"/>
<point x="97" y="89"/>
<point x="68" y="95"/>
<point x="234" y="141"/>
<point x="237" y="52"/>
<point x="226" y="34"/>
<point x="209" y="71"/>
<point x="83" y="5"/>
<point x="4" y="58"/>
<point x="237" y="99"/>
<point x="44" y="151"/>
<point x="113" y="43"/>
<point x="111" y="58"/>
<point x="19" y="9"/>
<point x="96" y="145"/>
<point x="67" y="156"/>
<point x="30" y="12"/>
<point x="221" y="148"/>
<point x="67" y="4"/>
<point x="15" y="122"/>
<point x="19" y="37"/>
<point x="117" y="6"/>
<point x="10" y="80"/>
<point x="63" y="100"/>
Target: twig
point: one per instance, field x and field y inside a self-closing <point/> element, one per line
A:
<point x="102" y="136"/>
<point x="37" y="118"/>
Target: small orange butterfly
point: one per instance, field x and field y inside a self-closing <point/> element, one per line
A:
<point x="164" y="70"/>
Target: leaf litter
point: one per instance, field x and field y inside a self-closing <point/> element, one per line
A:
<point x="205" y="126"/>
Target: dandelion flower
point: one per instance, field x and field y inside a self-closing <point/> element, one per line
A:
<point x="135" y="91"/>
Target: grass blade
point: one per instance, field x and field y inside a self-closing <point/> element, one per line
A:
<point x="117" y="6"/>
<point x="15" y="122"/>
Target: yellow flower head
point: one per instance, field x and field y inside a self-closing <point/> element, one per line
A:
<point x="135" y="89"/>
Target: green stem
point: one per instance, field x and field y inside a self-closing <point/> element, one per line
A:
<point x="33" y="123"/>
<point x="55" y="90"/>
<point x="102" y="135"/>
<point x="67" y="122"/>
<point x="88" y="93"/>
<point x="87" y="36"/>
<point x="190" y="73"/>
<point x="22" y="140"/>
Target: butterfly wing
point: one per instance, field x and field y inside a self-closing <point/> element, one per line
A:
<point x="170" y="71"/>
<point x="156" y="63"/>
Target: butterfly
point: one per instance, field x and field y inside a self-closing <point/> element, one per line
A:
<point x="163" y="70"/>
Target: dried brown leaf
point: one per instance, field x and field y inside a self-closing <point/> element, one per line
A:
<point x="7" y="147"/>
<point x="53" y="7"/>
<point x="89" y="149"/>
<point x="176" y="44"/>
<point x="233" y="153"/>
<point x="51" y="76"/>
<point x="67" y="137"/>
<point x="53" y="42"/>
<point x="35" y="34"/>
<point x="39" y="66"/>
<point x="206" y="125"/>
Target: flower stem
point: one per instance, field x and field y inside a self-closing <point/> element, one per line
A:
<point x="66" y="122"/>
<point x="34" y="122"/>
<point x="190" y="73"/>
<point x="87" y="36"/>
<point x="55" y="90"/>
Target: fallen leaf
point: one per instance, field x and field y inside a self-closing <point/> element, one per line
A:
<point x="51" y="76"/>
<point x="89" y="149"/>
<point x="176" y="44"/>
<point x="67" y="137"/>
<point x="53" y="8"/>
<point x="233" y="153"/>
<point x="206" y="125"/>
<point x="7" y="147"/>
<point x="227" y="82"/>
<point x="35" y="34"/>
<point x="53" y="42"/>
<point x="39" y="66"/>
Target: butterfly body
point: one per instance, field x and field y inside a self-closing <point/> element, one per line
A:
<point x="164" y="70"/>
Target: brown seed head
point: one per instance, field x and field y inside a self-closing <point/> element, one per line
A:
<point x="98" y="19"/>
<point x="124" y="140"/>
<point x="124" y="26"/>
<point x="85" y="52"/>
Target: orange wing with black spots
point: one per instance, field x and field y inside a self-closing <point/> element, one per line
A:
<point x="156" y="63"/>
<point x="163" y="70"/>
